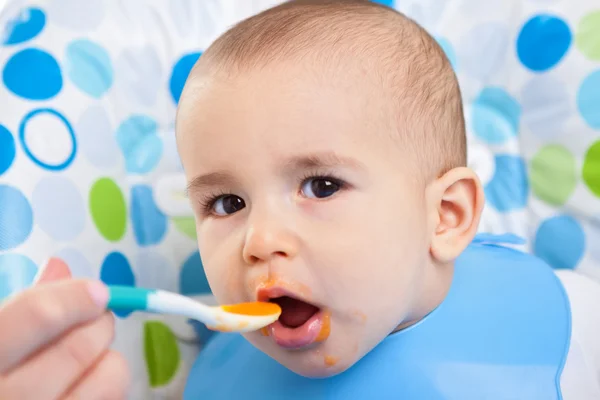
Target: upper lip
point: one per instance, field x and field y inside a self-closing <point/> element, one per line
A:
<point x="273" y="292"/>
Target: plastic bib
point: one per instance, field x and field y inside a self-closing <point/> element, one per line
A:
<point x="503" y="332"/>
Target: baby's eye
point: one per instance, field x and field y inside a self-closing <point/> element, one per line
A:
<point x="320" y="187"/>
<point x="228" y="204"/>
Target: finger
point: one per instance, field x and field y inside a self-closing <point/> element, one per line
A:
<point x="54" y="269"/>
<point x="109" y="379"/>
<point x="56" y="367"/>
<point x="39" y="315"/>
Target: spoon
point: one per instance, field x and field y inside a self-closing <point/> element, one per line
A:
<point x="242" y="317"/>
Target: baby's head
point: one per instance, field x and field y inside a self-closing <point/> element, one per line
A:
<point x="324" y="146"/>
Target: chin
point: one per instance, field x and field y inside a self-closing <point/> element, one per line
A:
<point x="316" y="362"/>
<point x="306" y="339"/>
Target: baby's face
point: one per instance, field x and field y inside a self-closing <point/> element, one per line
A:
<point x="301" y="197"/>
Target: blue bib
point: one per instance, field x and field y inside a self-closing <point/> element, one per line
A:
<point x="503" y="332"/>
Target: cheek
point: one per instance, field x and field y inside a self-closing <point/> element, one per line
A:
<point x="221" y="262"/>
<point x="371" y="269"/>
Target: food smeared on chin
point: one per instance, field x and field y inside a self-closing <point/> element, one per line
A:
<point x="330" y="361"/>
<point x="325" y="328"/>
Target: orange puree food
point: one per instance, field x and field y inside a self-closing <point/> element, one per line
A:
<point x="257" y="308"/>
<point x="330" y="361"/>
<point x="325" y="328"/>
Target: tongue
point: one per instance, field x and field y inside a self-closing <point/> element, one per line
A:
<point x="294" y="312"/>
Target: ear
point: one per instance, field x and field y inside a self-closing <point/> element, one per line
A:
<point x="456" y="201"/>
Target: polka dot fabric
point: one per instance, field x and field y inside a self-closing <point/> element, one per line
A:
<point x="529" y="71"/>
<point x="88" y="100"/>
<point x="86" y="128"/>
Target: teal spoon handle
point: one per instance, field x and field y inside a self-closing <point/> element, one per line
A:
<point x="128" y="298"/>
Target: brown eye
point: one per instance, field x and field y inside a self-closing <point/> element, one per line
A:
<point x="228" y="204"/>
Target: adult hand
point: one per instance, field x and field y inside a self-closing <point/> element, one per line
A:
<point x="54" y="341"/>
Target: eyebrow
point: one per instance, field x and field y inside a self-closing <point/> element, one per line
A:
<point x="305" y="161"/>
<point x="322" y="160"/>
<point x="209" y="180"/>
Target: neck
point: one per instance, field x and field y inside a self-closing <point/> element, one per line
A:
<point x="431" y="294"/>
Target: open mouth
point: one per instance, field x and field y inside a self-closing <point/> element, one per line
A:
<point x="300" y="324"/>
<point x="294" y="312"/>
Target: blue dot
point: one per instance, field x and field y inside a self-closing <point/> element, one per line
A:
<point x="389" y="3"/>
<point x="149" y="223"/>
<point x="37" y="159"/>
<point x="7" y="149"/>
<point x="25" y="26"/>
<point x="509" y="188"/>
<point x="33" y="74"/>
<point x="16" y="217"/>
<point x="192" y="278"/>
<point x="588" y="99"/>
<point x="139" y="143"/>
<point x="543" y="42"/>
<point x="448" y="50"/>
<point x="88" y="66"/>
<point x="560" y="241"/>
<point x="496" y="115"/>
<point x="181" y="70"/>
<point x="16" y="273"/>
<point x="117" y="271"/>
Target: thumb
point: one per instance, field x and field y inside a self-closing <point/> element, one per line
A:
<point x="55" y="269"/>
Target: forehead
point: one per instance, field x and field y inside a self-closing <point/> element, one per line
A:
<point x="275" y="111"/>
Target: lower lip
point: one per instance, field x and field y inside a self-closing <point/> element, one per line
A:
<point x="316" y="329"/>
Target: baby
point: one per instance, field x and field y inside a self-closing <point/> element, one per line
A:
<point x="325" y="149"/>
<point x="324" y="145"/>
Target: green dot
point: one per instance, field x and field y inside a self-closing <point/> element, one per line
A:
<point x="108" y="209"/>
<point x="186" y="225"/>
<point x="587" y="37"/>
<point x="161" y="352"/>
<point x="553" y="174"/>
<point x="591" y="168"/>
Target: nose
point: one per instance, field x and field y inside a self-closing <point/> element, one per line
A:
<point x="267" y="239"/>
